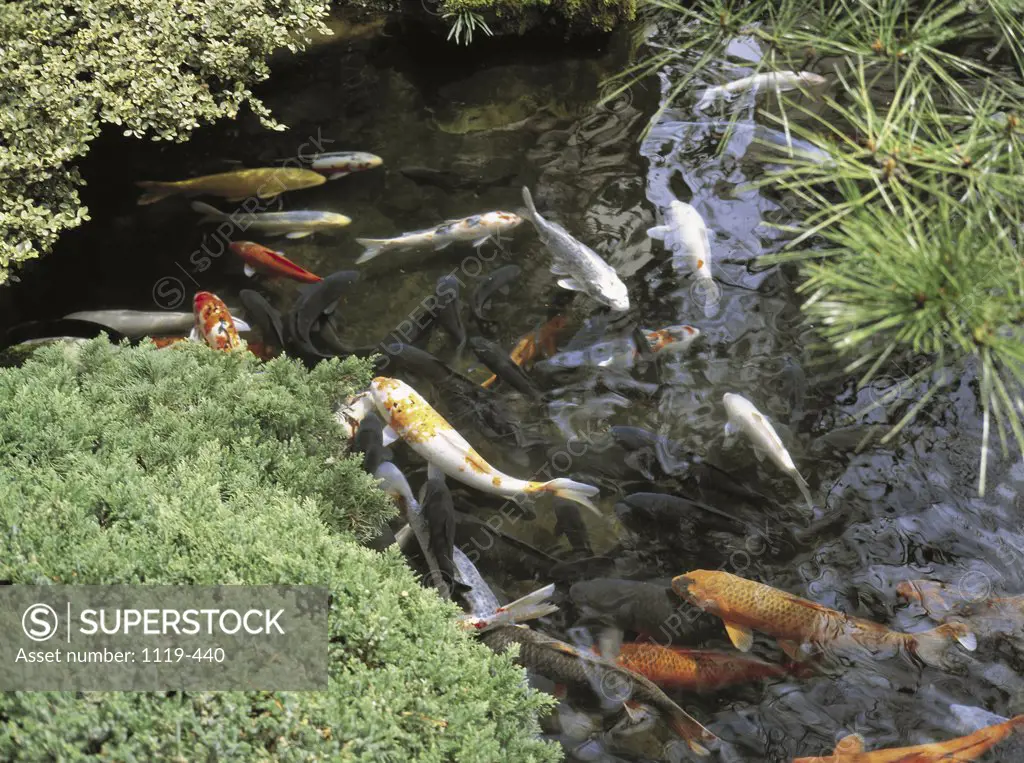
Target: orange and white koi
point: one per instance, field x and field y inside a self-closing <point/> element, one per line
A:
<point x="850" y="749"/>
<point x="433" y="438"/>
<point x="746" y="605"/>
<point x="259" y="257"/>
<point x="214" y="324"/>
<point x="672" y="338"/>
<point x="697" y="670"/>
<point x="477" y="229"/>
<point x="989" y="615"/>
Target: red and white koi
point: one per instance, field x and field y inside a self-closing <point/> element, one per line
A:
<point x="259" y="257"/>
<point x="214" y="324"/>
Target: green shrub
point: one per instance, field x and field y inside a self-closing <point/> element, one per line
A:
<point x="602" y="14"/>
<point x="158" y="68"/>
<point x="138" y="465"/>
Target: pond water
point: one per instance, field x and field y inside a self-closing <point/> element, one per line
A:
<point x="471" y="129"/>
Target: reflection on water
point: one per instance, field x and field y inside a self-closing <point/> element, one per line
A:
<point x="460" y="137"/>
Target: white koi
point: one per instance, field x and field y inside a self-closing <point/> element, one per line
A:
<point x="338" y="164"/>
<point x="774" y="81"/>
<point x="745" y="417"/>
<point x="686" y="236"/>
<point x="297" y="224"/>
<point x="434" y="439"/>
<point x="476" y="228"/>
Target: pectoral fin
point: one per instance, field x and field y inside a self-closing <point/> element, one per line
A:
<point x="658" y="231"/>
<point x="634" y="710"/>
<point x="298" y="234"/>
<point x="570" y="284"/>
<point x="389" y="436"/>
<point x="740" y="636"/>
<point x="482" y="241"/>
<point x="793" y="650"/>
<point x="193" y="335"/>
<point x="249" y="270"/>
<point x="240" y="325"/>
<point x="759" y="453"/>
<point x="336" y="175"/>
<point x="442" y="245"/>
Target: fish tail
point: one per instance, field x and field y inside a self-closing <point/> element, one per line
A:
<point x="711" y="295"/>
<point x="155" y="190"/>
<point x="686" y="727"/>
<point x="805" y="490"/>
<point x="210" y="213"/>
<point x="931" y="646"/>
<point x="572" y="491"/>
<point x="531" y="209"/>
<point x="372" y="248"/>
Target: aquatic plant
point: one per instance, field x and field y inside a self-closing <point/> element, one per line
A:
<point x="906" y="218"/>
<point x="186" y="466"/>
<point x="464" y="24"/>
<point x="157" y="69"/>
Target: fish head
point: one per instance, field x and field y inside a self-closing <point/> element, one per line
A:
<point x="500" y="221"/>
<point x="672" y="338"/>
<point x="702" y="588"/>
<point x="736" y="406"/>
<point x="336" y="218"/>
<point x="214" y="322"/>
<point x="244" y="249"/>
<point x="615" y="293"/>
<point x="811" y="79"/>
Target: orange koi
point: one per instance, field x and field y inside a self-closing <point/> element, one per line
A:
<point x="746" y="605"/>
<point x="851" y="748"/>
<point x="544" y="338"/>
<point x="697" y="670"/>
<point x="259" y="257"/>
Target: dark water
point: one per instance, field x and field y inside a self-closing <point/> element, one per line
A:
<point x="525" y="117"/>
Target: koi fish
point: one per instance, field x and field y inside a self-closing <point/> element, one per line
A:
<point x="528" y="607"/>
<point x="338" y="164"/>
<point x="774" y="81"/>
<point x="686" y="236"/>
<point x="478" y="228"/>
<point x="581" y="267"/>
<point x="570" y="666"/>
<point x="697" y="670"/>
<point x="137" y="323"/>
<point x="746" y="605"/>
<point x="543" y="339"/>
<point x="235" y="185"/>
<point x="745" y="417"/>
<point x="492" y="283"/>
<point x="648" y="609"/>
<point x="297" y="224"/>
<point x="988" y="615"/>
<point x="510" y="372"/>
<point x="434" y="439"/>
<point x="850" y="749"/>
<point x="258" y="257"/>
<point x="672" y="338"/>
<point x="439" y="514"/>
<point x="214" y="324"/>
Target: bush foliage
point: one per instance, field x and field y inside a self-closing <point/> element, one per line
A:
<point x="138" y="465"/>
<point x="159" y="68"/>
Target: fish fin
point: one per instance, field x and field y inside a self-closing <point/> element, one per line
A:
<point x="336" y="175"/>
<point x="240" y="325"/>
<point x="804" y="490"/>
<point x="298" y="233"/>
<point x="389" y="435"/>
<point x="155" y="191"/>
<point x="249" y="270"/>
<point x="531" y="210"/>
<point x="571" y="491"/>
<point x="711" y="294"/>
<point x="193" y="335"/>
<point x="851" y="744"/>
<point x="658" y="232"/>
<point x="730" y="430"/>
<point x="210" y="212"/>
<point x="482" y="241"/>
<point x="930" y="647"/>
<point x="740" y="635"/>
<point x="793" y="650"/>
<point x="570" y="284"/>
<point x="372" y="248"/>
<point x="689" y="729"/>
<point x="633" y="710"/>
<point x="442" y="245"/>
<point x="558" y="269"/>
<point x="759" y="453"/>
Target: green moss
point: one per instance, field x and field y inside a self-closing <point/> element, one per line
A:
<point x="137" y="465"/>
